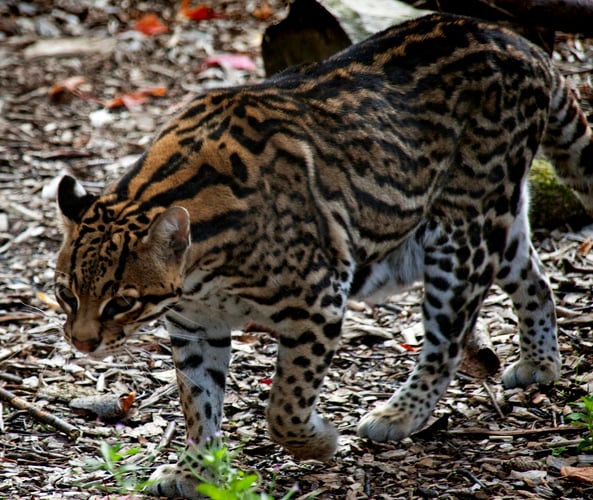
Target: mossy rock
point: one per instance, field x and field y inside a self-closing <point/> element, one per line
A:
<point x="552" y="204"/>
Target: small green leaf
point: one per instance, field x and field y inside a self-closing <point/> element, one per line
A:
<point x="214" y="492"/>
<point x="577" y="417"/>
<point x="245" y="483"/>
<point x="588" y="403"/>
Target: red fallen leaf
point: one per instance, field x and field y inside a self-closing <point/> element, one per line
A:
<point x="409" y="347"/>
<point x="155" y="91"/>
<point x="235" y="61"/>
<point x="67" y="85"/>
<point x="265" y="381"/>
<point x="61" y="91"/>
<point x="128" y="100"/>
<point x="150" y="24"/>
<point x="200" y="13"/>
<point x="126" y="401"/>
<point x="136" y="98"/>
<point x="133" y="99"/>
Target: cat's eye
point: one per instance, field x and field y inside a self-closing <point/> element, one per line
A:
<point x="67" y="297"/>
<point x="117" y="306"/>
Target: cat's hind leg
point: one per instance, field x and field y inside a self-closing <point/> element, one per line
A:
<point x="520" y="275"/>
<point x="457" y="276"/>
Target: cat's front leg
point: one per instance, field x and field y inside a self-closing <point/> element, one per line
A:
<point x="304" y="357"/>
<point x="201" y="353"/>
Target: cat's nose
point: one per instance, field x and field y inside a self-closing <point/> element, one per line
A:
<point x="86" y="345"/>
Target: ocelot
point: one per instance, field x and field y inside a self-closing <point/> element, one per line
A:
<point x="403" y="157"/>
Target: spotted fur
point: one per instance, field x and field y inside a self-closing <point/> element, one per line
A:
<point x="402" y="158"/>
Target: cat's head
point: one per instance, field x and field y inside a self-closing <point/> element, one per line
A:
<point x="119" y="266"/>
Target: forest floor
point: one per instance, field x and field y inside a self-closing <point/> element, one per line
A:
<point x="59" y="113"/>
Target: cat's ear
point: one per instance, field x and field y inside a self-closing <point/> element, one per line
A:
<point x="73" y="200"/>
<point x="171" y="231"/>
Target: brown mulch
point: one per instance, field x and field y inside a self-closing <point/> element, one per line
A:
<point x="486" y="442"/>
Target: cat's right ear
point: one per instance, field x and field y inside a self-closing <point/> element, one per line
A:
<point x="73" y="200"/>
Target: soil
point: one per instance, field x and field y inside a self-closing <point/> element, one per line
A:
<point x="486" y="442"/>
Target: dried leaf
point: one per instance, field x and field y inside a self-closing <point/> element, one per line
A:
<point x="426" y="462"/>
<point x="539" y="398"/>
<point x="584" y="474"/>
<point x="147" y="430"/>
<point x="150" y="24"/>
<point x="585" y="247"/>
<point x="529" y="477"/>
<point x="126" y="401"/>
<point x="234" y="61"/>
<point x="136" y="98"/>
<point x="61" y="90"/>
<point x="38" y="142"/>
<point x="48" y="301"/>
<point x="199" y="13"/>
<point x="129" y="100"/>
<point x="263" y="11"/>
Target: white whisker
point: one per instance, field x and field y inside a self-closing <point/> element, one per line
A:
<point x="188" y="335"/>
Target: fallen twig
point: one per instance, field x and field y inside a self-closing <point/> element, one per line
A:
<point x="19" y="316"/>
<point x="166" y="439"/>
<point x="167" y="436"/>
<point x="480" y="431"/>
<point x="39" y="413"/>
<point x="564" y="443"/>
<point x="492" y="399"/>
<point x="471" y="477"/>
<point x="9" y="377"/>
<point x="105" y="406"/>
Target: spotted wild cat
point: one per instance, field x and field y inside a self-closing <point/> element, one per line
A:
<point x="404" y="157"/>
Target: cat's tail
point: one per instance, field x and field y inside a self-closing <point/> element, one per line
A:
<point x="569" y="142"/>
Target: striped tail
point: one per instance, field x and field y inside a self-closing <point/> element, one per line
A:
<point x="569" y="143"/>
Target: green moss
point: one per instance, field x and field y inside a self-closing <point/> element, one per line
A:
<point x="552" y="204"/>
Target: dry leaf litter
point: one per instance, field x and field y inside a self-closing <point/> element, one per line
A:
<point x="62" y="66"/>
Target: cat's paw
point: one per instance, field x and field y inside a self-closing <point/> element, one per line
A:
<point x="388" y="424"/>
<point x="172" y="481"/>
<point x="321" y="449"/>
<point x="319" y="441"/>
<point x="524" y="373"/>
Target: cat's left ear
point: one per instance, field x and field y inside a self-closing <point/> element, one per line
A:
<point x="73" y="200"/>
<point x="171" y="231"/>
